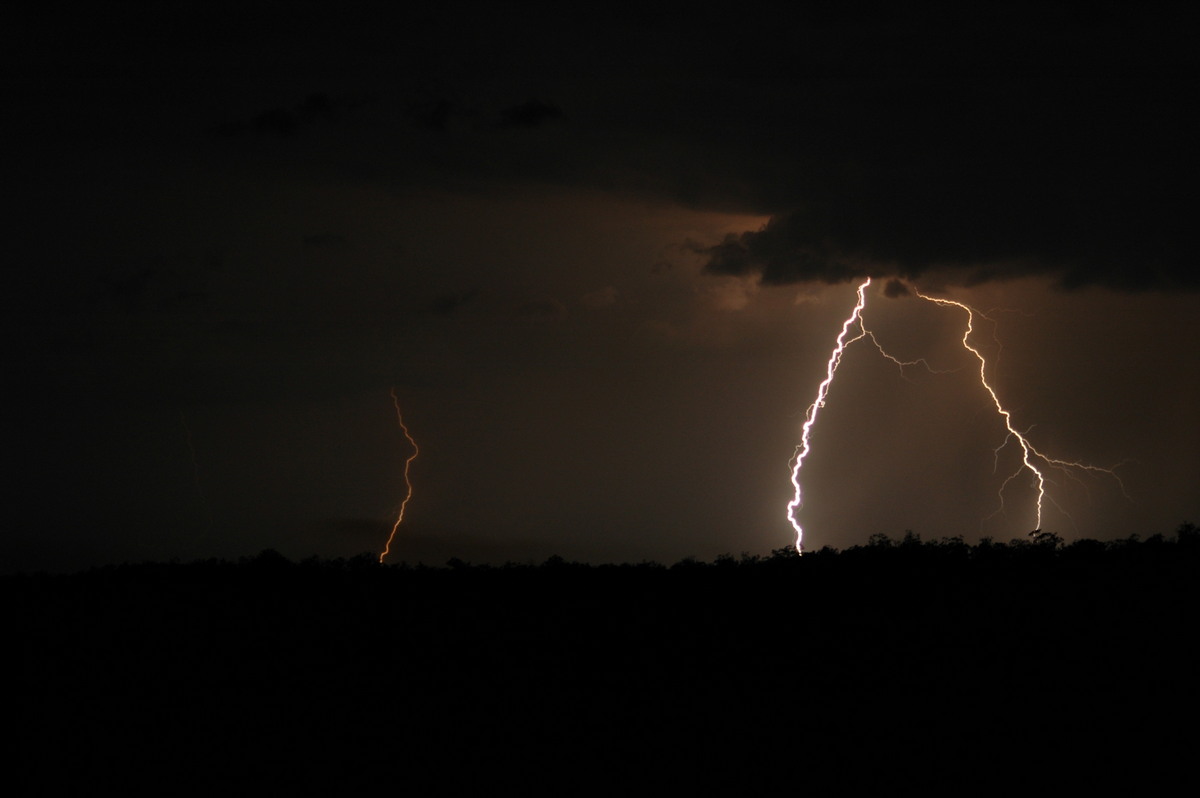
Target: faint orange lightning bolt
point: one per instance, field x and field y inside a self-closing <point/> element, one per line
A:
<point x="407" y="482"/>
<point x="810" y="418"/>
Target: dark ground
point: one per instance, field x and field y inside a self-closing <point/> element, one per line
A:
<point x="1032" y="666"/>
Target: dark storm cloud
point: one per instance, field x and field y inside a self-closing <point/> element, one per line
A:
<point x="326" y="241"/>
<point x="430" y="114"/>
<point x="980" y="152"/>
<point x="128" y="287"/>
<point x="533" y="113"/>
<point x="287" y="122"/>
<point x="1082" y="224"/>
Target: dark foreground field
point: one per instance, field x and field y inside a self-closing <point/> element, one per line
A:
<point x="1033" y="666"/>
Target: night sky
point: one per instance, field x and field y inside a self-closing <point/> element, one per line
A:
<point x="601" y="256"/>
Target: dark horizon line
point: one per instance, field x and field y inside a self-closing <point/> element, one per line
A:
<point x="948" y="548"/>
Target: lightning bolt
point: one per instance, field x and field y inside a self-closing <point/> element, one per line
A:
<point x="1027" y="450"/>
<point x="1030" y="455"/>
<point x="810" y="417"/>
<point x="407" y="482"/>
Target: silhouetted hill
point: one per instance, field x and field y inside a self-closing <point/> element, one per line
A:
<point x="1031" y="664"/>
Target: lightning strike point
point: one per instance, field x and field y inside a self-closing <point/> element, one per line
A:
<point x="407" y="482"/>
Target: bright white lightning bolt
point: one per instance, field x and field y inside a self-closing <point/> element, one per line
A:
<point x="810" y="418"/>
<point x="407" y="482"/>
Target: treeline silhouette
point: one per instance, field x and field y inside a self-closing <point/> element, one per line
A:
<point x="1029" y="664"/>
